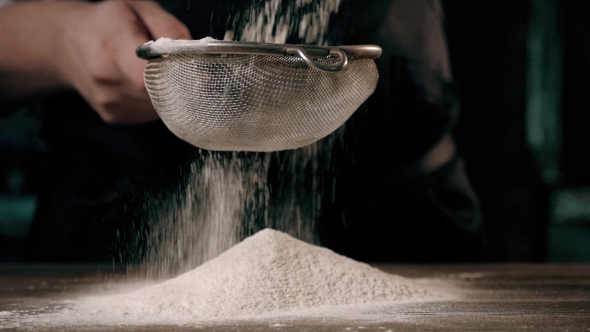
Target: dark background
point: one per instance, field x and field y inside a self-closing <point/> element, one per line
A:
<point x="521" y="68"/>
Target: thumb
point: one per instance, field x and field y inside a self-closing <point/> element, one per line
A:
<point x="158" y="22"/>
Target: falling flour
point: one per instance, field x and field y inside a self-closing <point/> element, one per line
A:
<point x="273" y="22"/>
<point x="270" y="274"/>
<point x="213" y="209"/>
<point x="222" y="201"/>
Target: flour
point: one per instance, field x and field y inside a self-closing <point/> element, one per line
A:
<point x="269" y="274"/>
<point x="167" y="44"/>
<point x="274" y="22"/>
<point x="222" y="201"/>
<point x="226" y="199"/>
<point x="298" y="207"/>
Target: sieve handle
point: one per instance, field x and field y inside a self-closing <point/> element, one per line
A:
<point x="316" y="65"/>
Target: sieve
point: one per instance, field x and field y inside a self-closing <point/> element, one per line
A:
<point x="246" y="96"/>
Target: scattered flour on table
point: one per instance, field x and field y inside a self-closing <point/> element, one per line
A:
<point x="269" y="273"/>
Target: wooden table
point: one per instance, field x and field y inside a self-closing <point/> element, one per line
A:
<point x="498" y="297"/>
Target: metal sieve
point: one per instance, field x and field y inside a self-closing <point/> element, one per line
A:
<point x="241" y="96"/>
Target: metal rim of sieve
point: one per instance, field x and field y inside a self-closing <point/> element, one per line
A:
<point x="306" y="52"/>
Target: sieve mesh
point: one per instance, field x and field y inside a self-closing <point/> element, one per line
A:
<point x="255" y="102"/>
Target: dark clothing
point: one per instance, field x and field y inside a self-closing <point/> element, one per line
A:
<point x="378" y="211"/>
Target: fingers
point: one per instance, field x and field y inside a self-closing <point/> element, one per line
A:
<point x="159" y="22"/>
<point x="117" y="108"/>
<point x="114" y="85"/>
<point x="126" y="101"/>
<point x="137" y="113"/>
<point x="154" y="22"/>
<point x="129" y="64"/>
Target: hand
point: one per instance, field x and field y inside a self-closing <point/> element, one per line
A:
<point x="98" y="58"/>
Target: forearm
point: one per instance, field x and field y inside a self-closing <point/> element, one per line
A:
<point x="30" y="35"/>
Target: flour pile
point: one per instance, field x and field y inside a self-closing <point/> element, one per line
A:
<point x="270" y="273"/>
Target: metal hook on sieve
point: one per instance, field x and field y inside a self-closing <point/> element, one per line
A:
<point x="316" y="65"/>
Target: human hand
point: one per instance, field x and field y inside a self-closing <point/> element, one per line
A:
<point x="98" y="55"/>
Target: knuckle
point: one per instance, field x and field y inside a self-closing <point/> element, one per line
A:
<point x="109" y="118"/>
<point x="111" y="9"/>
<point x="107" y="103"/>
<point x="100" y="77"/>
<point x="107" y="6"/>
<point x="106" y="113"/>
<point x="101" y="71"/>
